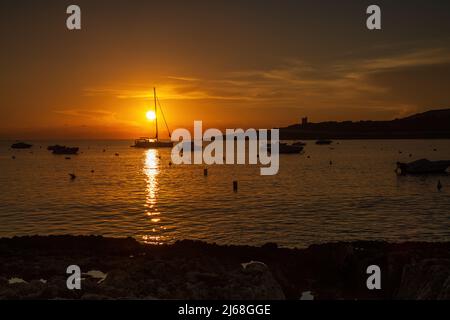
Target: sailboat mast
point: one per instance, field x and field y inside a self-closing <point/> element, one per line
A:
<point x="156" y="113"/>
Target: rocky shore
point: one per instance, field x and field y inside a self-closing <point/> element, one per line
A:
<point x="35" y="268"/>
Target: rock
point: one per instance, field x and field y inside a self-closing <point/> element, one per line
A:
<point x="259" y="283"/>
<point x="198" y="270"/>
<point x="425" y="280"/>
<point x="307" y="295"/>
<point x="270" y="246"/>
<point x="254" y="266"/>
<point x="92" y="296"/>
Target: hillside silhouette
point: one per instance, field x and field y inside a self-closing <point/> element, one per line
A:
<point x="434" y="124"/>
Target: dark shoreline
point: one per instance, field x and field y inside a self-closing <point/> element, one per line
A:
<point x="433" y="124"/>
<point x="197" y="270"/>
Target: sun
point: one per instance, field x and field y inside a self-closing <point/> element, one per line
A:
<point x="150" y="115"/>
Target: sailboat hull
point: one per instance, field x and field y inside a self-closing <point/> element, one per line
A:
<point x="152" y="144"/>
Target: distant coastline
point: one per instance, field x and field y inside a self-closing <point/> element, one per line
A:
<point x="434" y="124"/>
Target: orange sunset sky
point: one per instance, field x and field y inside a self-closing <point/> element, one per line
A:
<point x="229" y="63"/>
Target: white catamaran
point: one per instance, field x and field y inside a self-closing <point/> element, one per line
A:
<point x="153" y="143"/>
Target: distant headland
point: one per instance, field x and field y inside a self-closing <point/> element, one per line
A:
<point x="434" y="124"/>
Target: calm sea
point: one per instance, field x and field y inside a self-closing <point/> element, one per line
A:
<point x="138" y="193"/>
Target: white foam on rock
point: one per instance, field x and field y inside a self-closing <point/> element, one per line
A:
<point x="16" y="281"/>
<point x="96" y="274"/>
<point x="256" y="264"/>
<point x="307" y="295"/>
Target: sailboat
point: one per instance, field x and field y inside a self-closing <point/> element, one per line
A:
<point x="153" y="143"/>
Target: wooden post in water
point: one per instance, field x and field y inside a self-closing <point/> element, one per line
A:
<point x="205" y="172"/>
<point x="235" y="186"/>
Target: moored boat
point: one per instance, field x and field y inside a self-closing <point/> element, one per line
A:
<point x="284" y="148"/>
<point x="64" y="150"/>
<point x="51" y="148"/>
<point x="423" y="166"/>
<point x="21" y="145"/>
<point x="289" y="148"/>
<point x="147" y="143"/>
<point x="299" y="143"/>
<point x="324" y="142"/>
<point x="154" y="143"/>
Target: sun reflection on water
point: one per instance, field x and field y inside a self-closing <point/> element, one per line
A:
<point x="151" y="170"/>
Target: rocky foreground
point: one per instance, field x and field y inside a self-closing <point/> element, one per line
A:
<point x="35" y="268"/>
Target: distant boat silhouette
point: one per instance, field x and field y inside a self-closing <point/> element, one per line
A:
<point x="324" y="142"/>
<point x="423" y="166"/>
<point x="51" y="148"/>
<point x="63" y="149"/>
<point x="21" y="145"/>
<point x="285" y="148"/>
<point x="149" y="143"/>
